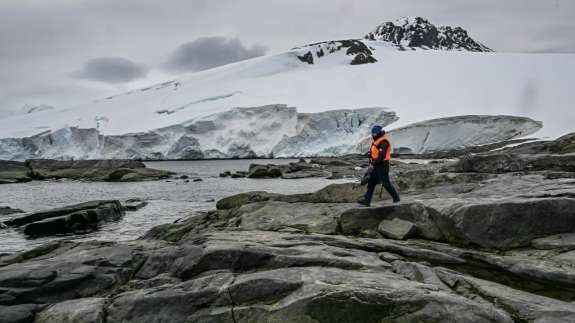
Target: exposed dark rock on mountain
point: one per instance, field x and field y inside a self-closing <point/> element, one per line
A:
<point x="357" y="49"/>
<point x="420" y="33"/>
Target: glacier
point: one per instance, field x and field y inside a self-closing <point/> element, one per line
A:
<point x="266" y="131"/>
<point x="211" y="114"/>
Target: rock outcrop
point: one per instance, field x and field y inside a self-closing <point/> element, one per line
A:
<point x="417" y="32"/>
<point x="13" y="172"/>
<point x="115" y="170"/>
<point x="462" y="246"/>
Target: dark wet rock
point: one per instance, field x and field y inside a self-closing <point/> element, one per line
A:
<point x="226" y="174"/>
<point x="397" y="229"/>
<point x="83" y="310"/>
<point x="13" y="172"/>
<point x="78" y="218"/>
<point x="134" y="204"/>
<point x="198" y="180"/>
<point x="97" y="170"/>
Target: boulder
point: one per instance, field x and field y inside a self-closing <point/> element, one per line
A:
<point x="264" y="171"/>
<point x="136" y="175"/>
<point x="359" y="220"/>
<point x="397" y="229"/>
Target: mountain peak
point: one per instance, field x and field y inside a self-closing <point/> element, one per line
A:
<point x="419" y="32"/>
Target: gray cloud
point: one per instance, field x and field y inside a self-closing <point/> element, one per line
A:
<point x="111" y="70"/>
<point x="208" y="52"/>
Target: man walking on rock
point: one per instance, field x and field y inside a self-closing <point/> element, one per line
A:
<point x="380" y="155"/>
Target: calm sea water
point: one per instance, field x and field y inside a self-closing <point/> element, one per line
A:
<point x="168" y="200"/>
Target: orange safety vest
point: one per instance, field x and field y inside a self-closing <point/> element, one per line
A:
<point x="375" y="150"/>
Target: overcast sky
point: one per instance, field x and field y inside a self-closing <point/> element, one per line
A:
<point x="65" y="52"/>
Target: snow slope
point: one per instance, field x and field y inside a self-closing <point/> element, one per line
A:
<point x="416" y="84"/>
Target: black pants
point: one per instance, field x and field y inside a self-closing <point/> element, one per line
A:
<point x="380" y="177"/>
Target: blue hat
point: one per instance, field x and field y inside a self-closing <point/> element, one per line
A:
<point x="377" y="129"/>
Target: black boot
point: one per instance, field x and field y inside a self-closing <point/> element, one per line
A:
<point x="363" y="202"/>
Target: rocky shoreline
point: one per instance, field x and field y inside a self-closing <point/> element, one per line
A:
<point x="114" y="170"/>
<point x="485" y="238"/>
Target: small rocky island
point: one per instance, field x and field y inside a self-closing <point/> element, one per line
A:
<point x="114" y="170"/>
<point x="489" y="237"/>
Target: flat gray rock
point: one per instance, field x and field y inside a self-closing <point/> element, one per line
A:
<point x="397" y="229"/>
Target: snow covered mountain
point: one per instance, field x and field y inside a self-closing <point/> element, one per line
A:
<point x="312" y="100"/>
